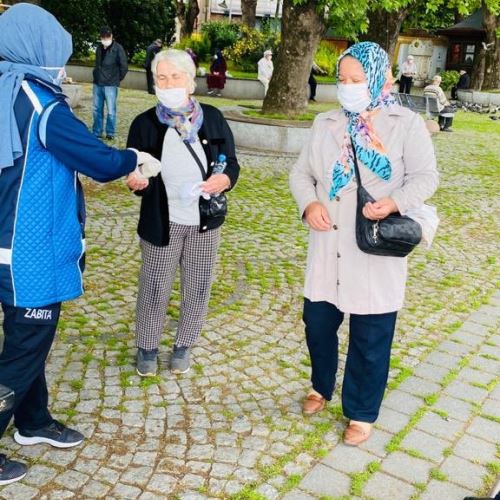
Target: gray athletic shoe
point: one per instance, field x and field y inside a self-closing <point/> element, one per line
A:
<point x="180" y="360"/>
<point x="147" y="364"/>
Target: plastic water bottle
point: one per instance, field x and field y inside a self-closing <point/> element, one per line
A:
<point x="220" y="164"/>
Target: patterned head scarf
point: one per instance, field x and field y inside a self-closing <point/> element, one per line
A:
<point x="369" y="150"/>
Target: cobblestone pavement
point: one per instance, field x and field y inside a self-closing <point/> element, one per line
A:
<point x="232" y="427"/>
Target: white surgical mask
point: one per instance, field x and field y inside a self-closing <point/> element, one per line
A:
<point x="172" y="98"/>
<point x="59" y="72"/>
<point x="106" y="42"/>
<point x="353" y="97"/>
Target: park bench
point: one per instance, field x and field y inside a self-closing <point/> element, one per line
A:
<point x="418" y="103"/>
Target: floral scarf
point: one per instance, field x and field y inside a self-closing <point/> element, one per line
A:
<point x="187" y="119"/>
<point x="369" y="149"/>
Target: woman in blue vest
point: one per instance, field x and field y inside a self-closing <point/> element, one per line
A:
<point x="43" y="147"/>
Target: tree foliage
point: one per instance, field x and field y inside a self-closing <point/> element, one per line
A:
<point x="135" y="23"/>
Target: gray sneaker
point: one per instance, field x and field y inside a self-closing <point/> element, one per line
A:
<point x="180" y="360"/>
<point x="147" y="362"/>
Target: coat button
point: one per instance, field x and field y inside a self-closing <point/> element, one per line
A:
<point x="338" y="255"/>
<point x="338" y="282"/>
<point x="204" y="228"/>
<point x="335" y="227"/>
<point x="337" y="198"/>
<point x="204" y="141"/>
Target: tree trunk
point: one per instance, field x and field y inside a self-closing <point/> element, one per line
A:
<point x="302" y="27"/>
<point x="248" y="10"/>
<point x="491" y="78"/>
<point x="384" y="28"/>
<point x="187" y="15"/>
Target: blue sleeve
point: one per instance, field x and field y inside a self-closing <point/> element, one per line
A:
<point x="69" y="140"/>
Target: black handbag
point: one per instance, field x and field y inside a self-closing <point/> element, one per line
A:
<point x="216" y="205"/>
<point x="6" y="398"/>
<point x="395" y="236"/>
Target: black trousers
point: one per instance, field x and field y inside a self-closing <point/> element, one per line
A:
<point x="28" y="337"/>
<point x="368" y="356"/>
<point x="313" y="84"/>
<point x="405" y="84"/>
<point x="150" y="81"/>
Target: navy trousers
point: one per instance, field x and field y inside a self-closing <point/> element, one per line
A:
<point x="368" y="356"/>
<point x="28" y="336"/>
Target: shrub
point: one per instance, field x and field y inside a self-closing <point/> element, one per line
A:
<point x="249" y="48"/>
<point x="220" y="34"/>
<point x="198" y="43"/>
<point x="139" y="58"/>
<point x="326" y="58"/>
<point x="449" y="78"/>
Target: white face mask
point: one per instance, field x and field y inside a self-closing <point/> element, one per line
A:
<point x="60" y="75"/>
<point x="172" y="98"/>
<point x="354" y="97"/>
<point x="106" y="42"/>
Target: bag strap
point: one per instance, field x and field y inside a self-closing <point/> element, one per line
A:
<point x="356" y="168"/>
<point x="195" y="156"/>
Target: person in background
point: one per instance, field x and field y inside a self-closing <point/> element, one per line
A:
<point x="193" y="56"/>
<point x="398" y="168"/>
<point x="408" y="71"/>
<point x="462" y="84"/>
<point x="151" y="51"/>
<point x="197" y="153"/>
<point x="43" y="147"/>
<point x="265" y="70"/>
<point x="446" y="110"/>
<point x="110" y="69"/>
<point x="216" y="79"/>
<point x="313" y="84"/>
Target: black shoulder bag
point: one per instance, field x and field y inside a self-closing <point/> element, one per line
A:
<point x="395" y="236"/>
<point x="216" y="205"/>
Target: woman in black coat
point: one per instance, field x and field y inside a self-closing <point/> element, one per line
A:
<point x="180" y="216"/>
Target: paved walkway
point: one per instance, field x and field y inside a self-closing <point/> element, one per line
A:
<point x="232" y="427"/>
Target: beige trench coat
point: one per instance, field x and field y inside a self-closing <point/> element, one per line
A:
<point x="337" y="271"/>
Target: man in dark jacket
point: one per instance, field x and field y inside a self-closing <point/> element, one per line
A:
<point x="462" y="84"/>
<point x="151" y="51"/>
<point x="110" y="69"/>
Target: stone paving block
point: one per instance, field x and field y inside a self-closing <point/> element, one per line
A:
<point x="381" y="485"/>
<point x="444" y="490"/>
<point x="495" y="393"/>
<point x="455" y="348"/>
<point x="377" y="443"/>
<point x="491" y="407"/>
<point x="298" y="495"/>
<point x="463" y="390"/>
<point x="467" y="337"/>
<point x="475" y="327"/>
<point x="456" y="408"/>
<point x="268" y="491"/>
<point x="446" y="428"/>
<point x="348" y="459"/>
<point x="95" y="489"/>
<point x="411" y="469"/>
<point x="443" y="359"/>
<point x="475" y="449"/>
<point x="485" y="429"/>
<point x="323" y="480"/>
<point x="39" y="475"/>
<point x="137" y="475"/>
<point x="484" y="364"/>
<point x="474" y="375"/>
<point x="429" y="446"/>
<point x="72" y="479"/>
<point x="126" y="491"/>
<point x="430" y="371"/>
<point x="464" y="473"/>
<point x="419" y="386"/>
<point x="487" y="316"/>
<point x="391" y="420"/>
<point x="402" y="402"/>
<point x="18" y="491"/>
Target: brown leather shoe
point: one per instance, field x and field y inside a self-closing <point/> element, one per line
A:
<point x="313" y="404"/>
<point x="354" y="435"/>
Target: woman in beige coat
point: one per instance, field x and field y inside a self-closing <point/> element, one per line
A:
<point x="398" y="168"/>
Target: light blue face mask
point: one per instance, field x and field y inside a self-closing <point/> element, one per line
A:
<point x="60" y="75"/>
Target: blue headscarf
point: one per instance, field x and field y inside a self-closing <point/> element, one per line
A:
<point x="369" y="150"/>
<point x="31" y="42"/>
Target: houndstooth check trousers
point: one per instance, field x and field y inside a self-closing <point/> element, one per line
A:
<point x="196" y="253"/>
